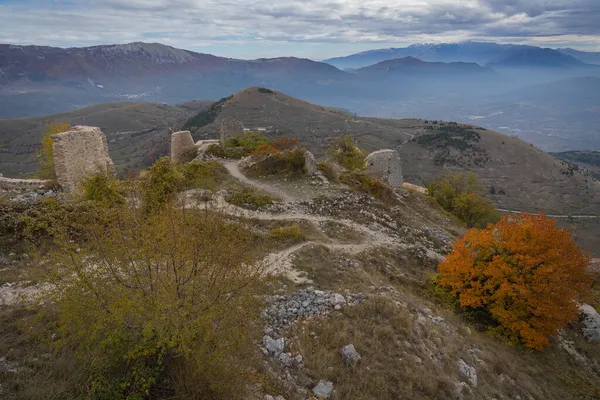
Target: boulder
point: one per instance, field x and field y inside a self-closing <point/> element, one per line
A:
<point x="349" y="355"/>
<point x="591" y="322"/>
<point x="323" y="389"/>
<point x="273" y="347"/>
<point x="310" y="163"/>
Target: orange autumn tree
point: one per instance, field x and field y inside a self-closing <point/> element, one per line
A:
<point x="524" y="271"/>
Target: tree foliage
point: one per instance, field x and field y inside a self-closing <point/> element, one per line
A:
<point x="458" y="194"/>
<point x="45" y="152"/>
<point x="345" y="152"/>
<point x="524" y="271"/>
<point x="136" y="294"/>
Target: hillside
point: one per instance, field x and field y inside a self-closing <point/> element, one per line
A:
<point x="412" y="65"/>
<point x="529" y="178"/>
<point x="587" y="160"/>
<point x="137" y="133"/>
<point x="282" y="284"/>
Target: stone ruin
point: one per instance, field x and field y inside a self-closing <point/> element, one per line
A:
<point x="183" y="148"/>
<point x="230" y="127"/>
<point x="79" y="153"/>
<point x="386" y="165"/>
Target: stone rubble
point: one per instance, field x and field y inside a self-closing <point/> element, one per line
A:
<point x="284" y="310"/>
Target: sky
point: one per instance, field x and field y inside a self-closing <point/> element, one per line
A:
<point x="316" y="29"/>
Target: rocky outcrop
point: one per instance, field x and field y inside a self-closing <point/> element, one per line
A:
<point x="468" y="372"/>
<point x="79" y="153"/>
<point x="183" y="148"/>
<point x="310" y="163"/>
<point x="203" y="146"/>
<point x="386" y="165"/>
<point x="591" y="322"/>
<point x="323" y="389"/>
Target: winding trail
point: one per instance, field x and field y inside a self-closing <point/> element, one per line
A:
<point x="234" y="169"/>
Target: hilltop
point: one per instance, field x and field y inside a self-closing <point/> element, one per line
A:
<point x="523" y="177"/>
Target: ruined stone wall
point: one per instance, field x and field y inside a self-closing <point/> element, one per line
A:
<point x="23" y="184"/>
<point x="79" y="153"/>
<point x="386" y="165"/>
<point x="183" y="148"/>
<point x="230" y="127"/>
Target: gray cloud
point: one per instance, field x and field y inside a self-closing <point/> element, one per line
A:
<point x="197" y="23"/>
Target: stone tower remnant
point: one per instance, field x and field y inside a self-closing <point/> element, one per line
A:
<point x="79" y="153"/>
<point x="386" y="165"/>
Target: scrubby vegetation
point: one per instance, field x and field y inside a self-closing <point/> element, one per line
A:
<point x="239" y="146"/>
<point x="368" y="184"/>
<point x="138" y="298"/>
<point x="459" y="195"/>
<point x="249" y="198"/>
<point x="202" y="175"/>
<point x="272" y="161"/>
<point x="523" y="273"/>
<point x="45" y="152"/>
<point x="346" y="152"/>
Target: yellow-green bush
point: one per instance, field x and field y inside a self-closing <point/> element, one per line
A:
<point x="202" y="175"/>
<point x="288" y="162"/>
<point x="160" y="185"/>
<point x="345" y="152"/>
<point x="458" y="194"/>
<point x="249" y="198"/>
<point x="45" y="152"/>
<point x="248" y="141"/>
<point x="104" y="189"/>
<point x="137" y="297"/>
<point x="291" y="233"/>
<point x="228" y="152"/>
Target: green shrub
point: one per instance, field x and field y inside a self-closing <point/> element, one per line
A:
<point x="202" y="175"/>
<point x="346" y="153"/>
<point x="178" y="286"/>
<point x="232" y="152"/>
<point x="249" y="198"/>
<point x="103" y="189"/>
<point x="289" y="162"/>
<point x="160" y="185"/>
<point x="291" y="233"/>
<point x="458" y="194"/>
<point x="248" y="141"/>
<point x="368" y="184"/>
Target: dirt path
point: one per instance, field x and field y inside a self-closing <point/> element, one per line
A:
<point x="234" y="169"/>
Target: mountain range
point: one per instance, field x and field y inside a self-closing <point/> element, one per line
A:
<point x="459" y="82"/>
<point x="477" y="52"/>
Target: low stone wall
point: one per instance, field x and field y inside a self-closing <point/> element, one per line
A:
<point x="386" y="165"/>
<point x="79" y="153"/>
<point x="23" y="184"/>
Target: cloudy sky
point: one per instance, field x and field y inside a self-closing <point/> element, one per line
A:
<point x="306" y="28"/>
